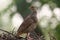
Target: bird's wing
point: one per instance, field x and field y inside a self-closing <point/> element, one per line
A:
<point x="27" y="22"/>
<point x="31" y="28"/>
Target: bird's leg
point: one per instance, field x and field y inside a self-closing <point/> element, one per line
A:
<point x="28" y="37"/>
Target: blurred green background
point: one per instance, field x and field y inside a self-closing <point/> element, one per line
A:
<point x="22" y="8"/>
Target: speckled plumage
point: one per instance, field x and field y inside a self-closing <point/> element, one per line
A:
<point x="29" y="23"/>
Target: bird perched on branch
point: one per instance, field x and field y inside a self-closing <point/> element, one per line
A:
<point x="29" y="23"/>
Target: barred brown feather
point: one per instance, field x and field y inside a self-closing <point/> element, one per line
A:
<point x="29" y="23"/>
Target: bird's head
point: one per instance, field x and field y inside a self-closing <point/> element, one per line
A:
<point x="33" y="9"/>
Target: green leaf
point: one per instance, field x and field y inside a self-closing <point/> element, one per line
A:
<point x="57" y="32"/>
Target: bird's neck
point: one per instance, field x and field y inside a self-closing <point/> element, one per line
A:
<point x="34" y="11"/>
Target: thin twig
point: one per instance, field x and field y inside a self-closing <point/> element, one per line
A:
<point x="8" y="32"/>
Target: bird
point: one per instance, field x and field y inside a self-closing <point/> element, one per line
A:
<point x="29" y="23"/>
